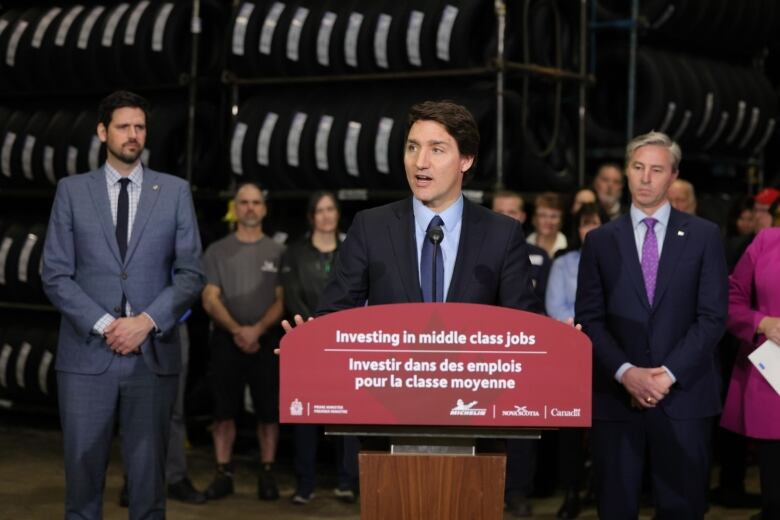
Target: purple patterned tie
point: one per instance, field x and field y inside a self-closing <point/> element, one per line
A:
<point x="650" y="258"/>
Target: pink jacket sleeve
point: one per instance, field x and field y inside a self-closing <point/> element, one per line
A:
<point x="743" y="319"/>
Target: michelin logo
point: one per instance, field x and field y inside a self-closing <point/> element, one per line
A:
<point x="520" y="411"/>
<point x="462" y="408"/>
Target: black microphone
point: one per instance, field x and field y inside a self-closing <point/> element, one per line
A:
<point x="435" y="235"/>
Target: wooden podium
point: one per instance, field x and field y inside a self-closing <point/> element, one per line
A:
<point x="432" y="474"/>
<point x="433" y="377"/>
<point x="431" y="487"/>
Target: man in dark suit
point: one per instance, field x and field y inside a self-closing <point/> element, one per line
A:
<point x="122" y="264"/>
<point x="385" y="256"/>
<point x="652" y="296"/>
<point x="484" y="255"/>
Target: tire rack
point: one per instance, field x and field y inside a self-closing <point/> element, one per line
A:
<point x="754" y="164"/>
<point x="499" y="68"/>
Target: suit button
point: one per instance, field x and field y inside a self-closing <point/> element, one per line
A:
<point x="117" y="309"/>
<point x="124" y="276"/>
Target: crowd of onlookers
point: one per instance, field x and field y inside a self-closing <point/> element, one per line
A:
<point x="647" y="281"/>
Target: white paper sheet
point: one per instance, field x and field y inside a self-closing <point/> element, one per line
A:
<point x="766" y="359"/>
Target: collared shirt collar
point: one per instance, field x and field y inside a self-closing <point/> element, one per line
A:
<point x="136" y="176"/>
<point x="661" y="215"/>
<point x="451" y="216"/>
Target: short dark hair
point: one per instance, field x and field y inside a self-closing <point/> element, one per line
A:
<point x="455" y="118"/>
<point x="586" y="211"/>
<point x="120" y="99"/>
<point x="315" y="199"/>
<point x="743" y="203"/>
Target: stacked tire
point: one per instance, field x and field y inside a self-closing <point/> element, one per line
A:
<point x="706" y="105"/>
<point x="39" y="145"/>
<point x="542" y="32"/>
<point x="548" y="158"/>
<point x="27" y="356"/>
<point x="315" y="37"/>
<point x="311" y="37"/>
<point x="732" y="27"/>
<point x="103" y="45"/>
<point x="21" y="248"/>
<point x="305" y="139"/>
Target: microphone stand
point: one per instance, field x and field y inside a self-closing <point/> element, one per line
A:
<point x="433" y="273"/>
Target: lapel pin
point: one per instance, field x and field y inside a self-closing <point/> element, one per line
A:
<point x="156" y="187"/>
<point x="681" y="233"/>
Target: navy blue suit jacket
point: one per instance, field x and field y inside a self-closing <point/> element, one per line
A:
<point x="377" y="262"/>
<point x="680" y="330"/>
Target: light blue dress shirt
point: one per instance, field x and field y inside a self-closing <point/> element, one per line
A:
<point x="452" y="217"/>
<point x="561" y="289"/>
<point x="640" y="228"/>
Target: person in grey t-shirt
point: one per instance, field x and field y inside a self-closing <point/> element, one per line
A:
<point x="243" y="297"/>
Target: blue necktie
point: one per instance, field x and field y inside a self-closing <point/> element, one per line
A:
<point x="426" y="265"/>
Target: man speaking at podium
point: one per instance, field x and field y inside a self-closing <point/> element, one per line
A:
<point x="389" y="253"/>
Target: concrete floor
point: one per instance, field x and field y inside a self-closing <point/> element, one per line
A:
<point x="32" y="486"/>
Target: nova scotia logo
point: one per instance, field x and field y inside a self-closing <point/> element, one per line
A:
<point x="462" y="408"/>
<point x="296" y="407"/>
<point x="520" y="411"/>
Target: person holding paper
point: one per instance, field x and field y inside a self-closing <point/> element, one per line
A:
<point x="752" y="406"/>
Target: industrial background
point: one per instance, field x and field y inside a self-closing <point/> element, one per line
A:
<point x="300" y="95"/>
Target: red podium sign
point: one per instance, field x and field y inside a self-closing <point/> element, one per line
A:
<point x="436" y="364"/>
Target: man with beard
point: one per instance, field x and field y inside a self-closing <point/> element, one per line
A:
<point x="122" y="264"/>
<point x="243" y="297"/>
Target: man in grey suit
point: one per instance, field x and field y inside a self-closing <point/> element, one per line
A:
<point x="122" y="264"/>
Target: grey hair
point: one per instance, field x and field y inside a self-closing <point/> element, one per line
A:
<point x="657" y="139"/>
